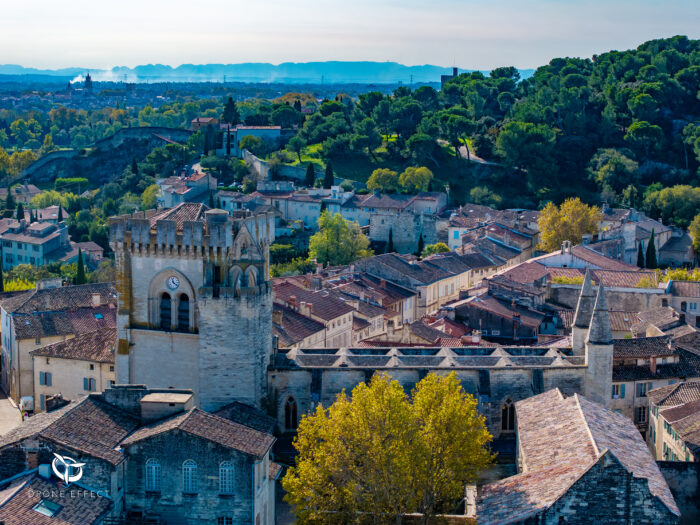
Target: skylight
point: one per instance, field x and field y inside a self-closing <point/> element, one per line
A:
<point x="48" y="508"/>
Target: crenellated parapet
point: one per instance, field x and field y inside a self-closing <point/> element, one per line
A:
<point x="190" y="231"/>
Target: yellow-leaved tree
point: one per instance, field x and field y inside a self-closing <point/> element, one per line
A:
<point x="568" y="222"/>
<point x="338" y="241"/>
<point x="380" y="454"/>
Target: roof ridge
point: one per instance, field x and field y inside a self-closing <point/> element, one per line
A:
<point x="585" y="424"/>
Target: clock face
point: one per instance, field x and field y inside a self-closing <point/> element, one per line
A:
<point x="173" y="283"/>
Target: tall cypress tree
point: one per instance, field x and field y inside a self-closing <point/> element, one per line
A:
<point x="20" y="211"/>
<point x="640" y="256"/>
<point x="328" y="177"/>
<point x="2" y="277"/>
<point x="390" y="244"/>
<point x="134" y="166"/>
<point x="10" y="201"/>
<point x="310" y="175"/>
<point x="80" y="277"/>
<point x="651" y="252"/>
<point x="60" y="213"/>
<point x="421" y="245"/>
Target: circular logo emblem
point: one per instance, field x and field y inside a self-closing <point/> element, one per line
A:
<point x="173" y="283"/>
<point x="67" y="469"/>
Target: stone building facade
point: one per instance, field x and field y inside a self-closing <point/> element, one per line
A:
<point x="195" y="306"/>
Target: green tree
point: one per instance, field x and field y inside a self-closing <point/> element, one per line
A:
<point x="644" y="137"/>
<point x="251" y="143"/>
<point x="338" y="241"/>
<point x="384" y="180"/>
<point x="421" y="245"/>
<point x="20" y="211"/>
<point x="149" y="198"/>
<point x="651" y="252"/>
<point x="80" y="277"/>
<point x="328" y="176"/>
<point x="310" y="177"/>
<point x="10" y="200"/>
<point x="383" y="454"/>
<point x="230" y="114"/>
<point x="296" y="145"/>
<point x="390" y="244"/>
<point x="2" y="277"/>
<point x="640" y="256"/>
<point x="432" y="249"/>
<point x="414" y="180"/>
<point x="569" y="222"/>
<point x="484" y="196"/>
<point x="694" y="230"/>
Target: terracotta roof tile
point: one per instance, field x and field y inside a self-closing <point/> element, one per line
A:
<point x="212" y="428"/>
<point x="95" y="346"/>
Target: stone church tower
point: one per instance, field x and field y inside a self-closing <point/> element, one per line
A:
<point x="195" y="306"/>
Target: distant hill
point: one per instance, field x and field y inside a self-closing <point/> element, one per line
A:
<point x="333" y="72"/>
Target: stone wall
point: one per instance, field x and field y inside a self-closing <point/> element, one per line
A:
<point x="172" y="449"/>
<point x="619" y="299"/>
<point x="684" y="480"/>
<point x="407" y="228"/>
<point x="491" y="386"/>
<point x="608" y="493"/>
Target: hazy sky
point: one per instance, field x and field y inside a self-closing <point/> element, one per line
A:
<point x="469" y="33"/>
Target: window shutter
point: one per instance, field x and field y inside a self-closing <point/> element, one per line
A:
<point x="622" y="391"/>
<point x="42" y="399"/>
<point x="86" y="386"/>
<point x="42" y="378"/>
<point x="48" y="378"/>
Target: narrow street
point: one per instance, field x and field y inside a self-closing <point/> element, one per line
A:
<point x="9" y="415"/>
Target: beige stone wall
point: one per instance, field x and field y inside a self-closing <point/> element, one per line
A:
<point x="67" y="377"/>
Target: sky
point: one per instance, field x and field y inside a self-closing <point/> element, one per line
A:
<point x="467" y="33"/>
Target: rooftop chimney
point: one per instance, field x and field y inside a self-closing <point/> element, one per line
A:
<point x="652" y="365"/>
<point x="277" y="317"/>
<point x="96" y="299"/>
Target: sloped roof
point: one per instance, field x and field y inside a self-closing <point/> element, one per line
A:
<point x="212" y="428"/>
<point x="294" y="327"/>
<point x="77" y="507"/>
<point x="560" y="440"/>
<point x="186" y="211"/>
<point x="95" y="346"/>
<point x="642" y="347"/>
<point x="76" y="321"/>
<point x="61" y="298"/>
<point x="88" y="425"/>
<point x="685" y="288"/>
<point x="676" y="394"/>
<point x="325" y="305"/>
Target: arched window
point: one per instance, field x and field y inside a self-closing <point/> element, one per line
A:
<point x="152" y="475"/>
<point x="508" y="416"/>
<point x="165" y="312"/>
<point x="290" y="414"/>
<point x="183" y="313"/>
<point x="226" y="477"/>
<point x="252" y="276"/>
<point x="189" y="477"/>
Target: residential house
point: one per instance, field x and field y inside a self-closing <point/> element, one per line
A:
<point x="430" y="280"/>
<point x="74" y="367"/>
<point x="202" y="122"/>
<point x="23" y="193"/>
<point x="37" y="244"/>
<point x="685" y="299"/>
<point x="294" y="330"/>
<point x="643" y="364"/>
<point x="44" y="316"/>
<point x="324" y="308"/>
<point x="155" y="456"/>
<point x="196" y="187"/>
<point x="594" y="448"/>
<point x="232" y="136"/>
<point x="674" y="422"/>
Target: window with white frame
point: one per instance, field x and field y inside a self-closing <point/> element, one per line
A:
<point x="226" y="477"/>
<point x="189" y="477"/>
<point x="152" y="475"/>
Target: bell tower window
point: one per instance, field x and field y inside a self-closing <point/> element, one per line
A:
<point x="183" y="313"/>
<point x="165" y="312"/>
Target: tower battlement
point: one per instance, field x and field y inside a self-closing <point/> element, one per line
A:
<point x="189" y="230"/>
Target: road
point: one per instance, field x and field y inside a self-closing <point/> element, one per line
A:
<point x="9" y="415"/>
